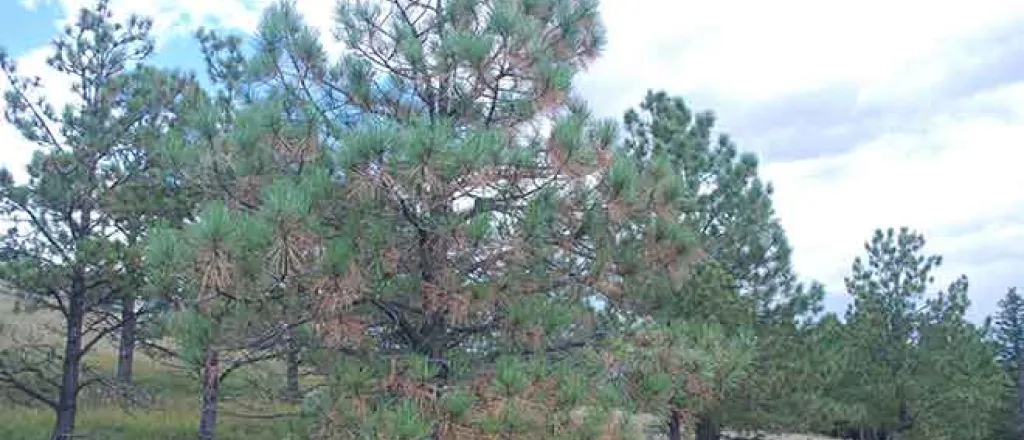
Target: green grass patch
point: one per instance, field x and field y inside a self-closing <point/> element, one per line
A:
<point x="172" y="413"/>
<point x="174" y="422"/>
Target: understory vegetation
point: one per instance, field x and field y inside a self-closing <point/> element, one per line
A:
<point x="432" y="236"/>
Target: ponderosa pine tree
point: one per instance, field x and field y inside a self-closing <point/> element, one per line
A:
<point x="145" y="195"/>
<point x="888" y="290"/>
<point x="68" y="254"/>
<point x="453" y="250"/>
<point x="913" y="356"/>
<point x="958" y="377"/>
<point x="747" y="280"/>
<point x="683" y="372"/>
<point x="813" y="372"/>
<point x="1009" y="337"/>
<point x="256" y="159"/>
<point x="731" y="210"/>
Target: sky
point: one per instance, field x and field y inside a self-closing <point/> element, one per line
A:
<point x="865" y="114"/>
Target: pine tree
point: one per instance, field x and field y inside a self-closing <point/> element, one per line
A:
<point x="818" y="363"/>
<point x="746" y="281"/>
<point x="958" y="376"/>
<point x="919" y="369"/>
<point x="731" y="210"/>
<point x="145" y="196"/>
<point x="1009" y="336"/>
<point x="683" y="372"/>
<point x="454" y="251"/>
<point x="256" y="161"/>
<point x="888" y="289"/>
<point x="67" y="252"/>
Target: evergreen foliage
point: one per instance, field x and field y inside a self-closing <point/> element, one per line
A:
<point x="1009" y="338"/>
<point x="76" y="247"/>
<point x="930" y="373"/>
<point x="445" y="240"/>
<point x="435" y="226"/>
<point x="746" y="282"/>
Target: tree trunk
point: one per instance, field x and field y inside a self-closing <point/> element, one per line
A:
<point x="211" y="388"/>
<point x="906" y="422"/>
<point x="292" y="391"/>
<point x="64" y="426"/>
<point x="1020" y="394"/>
<point x="675" y="425"/>
<point x="126" y="349"/>
<point x="708" y="428"/>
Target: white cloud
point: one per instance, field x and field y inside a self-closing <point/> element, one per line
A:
<point x="952" y="174"/>
<point x="953" y="168"/>
<point x="750" y="50"/>
<point x="174" y="18"/>
<point x="18" y="151"/>
<point x="170" y="17"/>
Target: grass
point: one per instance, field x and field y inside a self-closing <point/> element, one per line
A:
<point x="171" y="414"/>
<point x="168" y="422"/>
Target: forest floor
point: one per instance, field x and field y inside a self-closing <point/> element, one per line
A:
<point x="167" y="406"/>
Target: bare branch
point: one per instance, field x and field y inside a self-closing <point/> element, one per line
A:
<point x="247" y="360"/>
<point x="27" y="390"/>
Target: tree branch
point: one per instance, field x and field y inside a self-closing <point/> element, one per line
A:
<point x="36" y="114"/>
<point x="29" y="391"/>
<point x="99" y="336"/>
<point x="259" y="416"/>
<point x="410" y="333"/>
<point x="39" y="225"/>
<point x="9" y="377"/>
<point x="239" y="363"/>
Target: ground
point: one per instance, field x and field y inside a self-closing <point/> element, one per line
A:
<point x="171" y="413"/>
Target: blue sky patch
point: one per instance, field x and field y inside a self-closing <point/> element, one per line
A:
<point x="22" y="29"/>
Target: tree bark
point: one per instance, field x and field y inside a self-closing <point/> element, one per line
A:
<point x="708" y="428"/>
<point x="64" y="426"/>
<point x="126" y="349"/>
<point x="675" y="425"/>
<point x="906" y="421"/>
<point x="292" y="391"/>
<point x="211" y="388"/>
<point x="1020" y="394"/>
